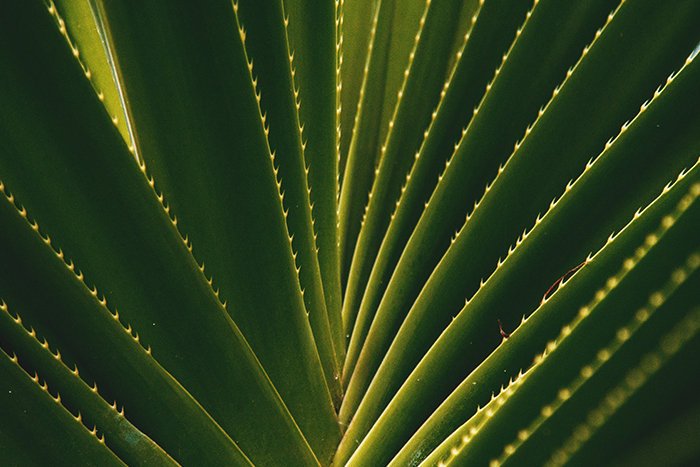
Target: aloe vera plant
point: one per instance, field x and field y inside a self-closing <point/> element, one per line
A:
<point x="281" y="233"/>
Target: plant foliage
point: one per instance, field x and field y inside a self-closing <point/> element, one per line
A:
<point x="354" y="233"/>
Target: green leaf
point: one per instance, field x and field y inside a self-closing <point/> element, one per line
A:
<point x="355" y="22"/>
<point x="65" y="160"/>
<point x="213" y="163"/>
<point x="554" y="151"/>
<point x="480" y="54"/>
<point x="79" y="22"/>
<point x="388" y="56"/>
<point x="125" y="440"/>
<point x="51" y="295"/>
<point x="267" y="45"/>
<point x="571" y="405"/>
<point x="672" y="441"/>
<point x="29" y="412"/>
<point x="329" y="325"/>
<point x="313" y="40"/>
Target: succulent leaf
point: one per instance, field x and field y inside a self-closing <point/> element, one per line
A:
<point x="349" y="233"/>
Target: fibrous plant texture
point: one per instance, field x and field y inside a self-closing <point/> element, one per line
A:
<point x="349" y="233"/>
